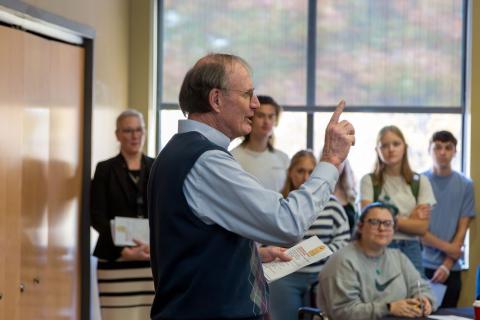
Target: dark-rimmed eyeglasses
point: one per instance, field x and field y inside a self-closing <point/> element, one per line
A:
<point x="244" y="93"/>
<point x="139" y="130"/>
<point x="387" y="224"/>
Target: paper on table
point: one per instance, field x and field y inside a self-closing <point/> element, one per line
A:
<point x="303" y="254"/>
<point x="448" y="318"/>
<point x="438" y="290"/>
<point x="125" y="229"/>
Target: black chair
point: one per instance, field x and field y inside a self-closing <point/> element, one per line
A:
<point x="313" y="294"/>
<point x="311" y="313"/>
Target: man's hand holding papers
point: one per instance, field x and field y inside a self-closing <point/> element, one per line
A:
<point x="302" y="254"/>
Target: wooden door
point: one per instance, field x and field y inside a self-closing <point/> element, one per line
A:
<point x="64" y="179"/>
<point x="41" y="96"/>
<point x="11" y="105"/>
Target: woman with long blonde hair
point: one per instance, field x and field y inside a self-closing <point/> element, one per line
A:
<point x="291" y="292"/>
<point x="394" y="182"/>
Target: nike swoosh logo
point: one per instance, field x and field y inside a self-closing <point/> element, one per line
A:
<point x="382" y="287"/>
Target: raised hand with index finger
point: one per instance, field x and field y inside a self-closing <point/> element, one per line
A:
<point x="339" y="137"/>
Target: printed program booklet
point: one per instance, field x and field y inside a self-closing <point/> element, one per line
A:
<point x="303" y="254"/>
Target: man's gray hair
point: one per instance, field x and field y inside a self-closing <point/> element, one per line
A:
<point x="130" y="113"/>
<point x="208" y="73"/>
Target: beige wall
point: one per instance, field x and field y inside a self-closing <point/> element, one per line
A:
<point x="141" y="69"/>
<point x="110" y="19"/>
<point x="468" y="278"/>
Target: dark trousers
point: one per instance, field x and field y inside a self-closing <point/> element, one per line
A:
<point x="454" y="285"/>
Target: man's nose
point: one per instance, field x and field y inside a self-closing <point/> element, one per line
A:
<point x="254" y="103"/>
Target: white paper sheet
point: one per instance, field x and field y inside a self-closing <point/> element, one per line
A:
<point x="448" y="317"/>
<point x="303" y="254"/>
<point x="125" y="229"/>
<point x="438" y="290"/>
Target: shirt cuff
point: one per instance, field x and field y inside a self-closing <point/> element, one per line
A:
<point x="327" y="172"/>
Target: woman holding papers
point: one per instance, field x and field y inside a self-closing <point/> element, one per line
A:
<point x="292" y="291"/>
<point x="118" y="189"/>
<point x="367" y="280"/>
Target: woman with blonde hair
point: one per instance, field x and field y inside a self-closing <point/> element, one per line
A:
<point x="394" y="182"/>
<point x="118" y="189"/>
<point x="331" y="226"/>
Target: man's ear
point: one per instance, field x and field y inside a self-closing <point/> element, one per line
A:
<point x="214" y="98"/>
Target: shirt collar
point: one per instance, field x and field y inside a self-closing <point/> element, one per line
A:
<point x="210" y="133"/>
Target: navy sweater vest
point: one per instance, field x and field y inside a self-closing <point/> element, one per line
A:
<point x="200" y="271"/>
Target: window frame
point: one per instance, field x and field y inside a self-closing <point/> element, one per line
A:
<point x="311" y="108"/>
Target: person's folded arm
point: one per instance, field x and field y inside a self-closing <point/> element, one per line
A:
<point x="451" y="249"/>
<point x="412" y="226"/>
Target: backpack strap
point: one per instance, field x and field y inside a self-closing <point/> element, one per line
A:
<point x="376" y="189"/>
<point x="415" y="186"/>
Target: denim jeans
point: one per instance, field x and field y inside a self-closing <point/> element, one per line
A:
<point x="290" y="293"/>
<point x="413" y="250"/>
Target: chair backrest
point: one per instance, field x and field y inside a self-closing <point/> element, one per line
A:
<point x="313" y="293"/>
<point x="310" y="313"/>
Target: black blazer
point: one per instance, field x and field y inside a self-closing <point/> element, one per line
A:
<point x="113" y="193"/>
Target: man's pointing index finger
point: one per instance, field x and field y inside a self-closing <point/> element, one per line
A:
<point x="338" y="111"/>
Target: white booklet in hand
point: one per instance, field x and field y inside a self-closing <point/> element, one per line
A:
<point x="303" y="254"/>
<point x="124" y="230"/>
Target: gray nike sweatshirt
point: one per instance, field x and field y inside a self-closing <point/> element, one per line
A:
<point x="355" y="286"/>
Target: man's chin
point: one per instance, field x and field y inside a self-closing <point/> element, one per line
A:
<point x="247" y="129"/>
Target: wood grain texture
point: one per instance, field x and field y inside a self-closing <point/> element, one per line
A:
<point x="11" y="105"/>
<point x="41" y="100"/>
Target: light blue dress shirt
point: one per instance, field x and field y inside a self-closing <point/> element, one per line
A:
<point x="219" y="191"/>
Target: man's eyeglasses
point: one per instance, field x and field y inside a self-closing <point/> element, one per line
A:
<point x="139" y="130"/>
<point x="244" y="93"/>
<point x="388" y="224"/>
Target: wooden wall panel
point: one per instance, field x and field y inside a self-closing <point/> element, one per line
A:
<point x="35" y="156"/>
<point x="11" y="103"/>
<point x="41" y="102"/>
<point x="64" y="179"/>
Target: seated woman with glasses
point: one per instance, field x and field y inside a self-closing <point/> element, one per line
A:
<point x="367" y="280"/>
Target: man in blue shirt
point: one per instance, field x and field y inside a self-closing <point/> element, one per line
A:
<point x="449" y="219"/>
<point x="206" y="212"/>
